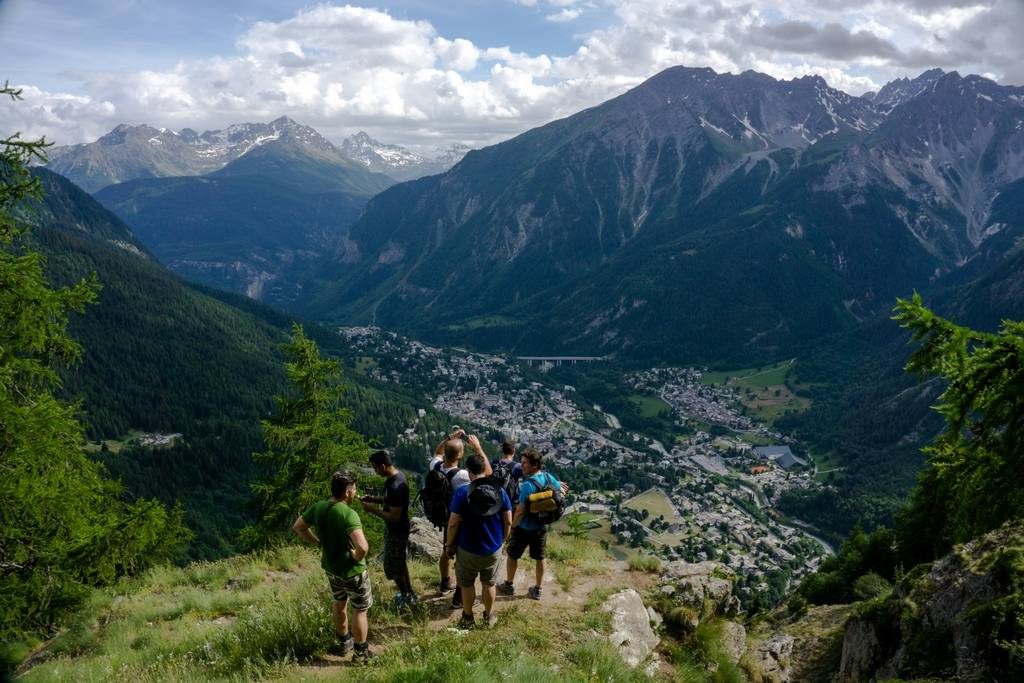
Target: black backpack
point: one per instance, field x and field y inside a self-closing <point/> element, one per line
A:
<point x="436" y="495"/>
<point x="501" y="476"/>
<point x="546" y="503"/>
<point x="484" y="498"/>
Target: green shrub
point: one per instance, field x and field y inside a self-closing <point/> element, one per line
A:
<point x="645" y="563"/>
<point x="871" y="585"/>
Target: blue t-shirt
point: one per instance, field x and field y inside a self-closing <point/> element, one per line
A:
<point x="478" y="535"/>
<point x="531" y="484"/>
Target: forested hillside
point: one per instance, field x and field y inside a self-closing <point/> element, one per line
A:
<point x="164" y="356"/>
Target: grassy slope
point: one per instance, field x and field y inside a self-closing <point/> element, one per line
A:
<point x="266" y="616"/>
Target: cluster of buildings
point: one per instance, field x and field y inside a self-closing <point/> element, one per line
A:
<point x="719" y="487"/>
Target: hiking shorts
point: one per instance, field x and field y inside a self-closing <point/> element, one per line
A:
<point x="395" y="548"/>
<point x="537" y="540"/>
<point x="354" y="590"/>
<point x="469" y="565"/>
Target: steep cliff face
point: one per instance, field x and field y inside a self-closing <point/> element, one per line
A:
<point x="958" y="618"/>
<point x="962" y="618"/>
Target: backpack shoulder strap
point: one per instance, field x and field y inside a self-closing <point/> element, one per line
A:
<point x="450" y="474"/>
<point x="536" y="482"/>
<point x="438" y="465"/>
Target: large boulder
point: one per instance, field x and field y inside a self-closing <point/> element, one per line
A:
<point x="734" y="640"/>
<point x="631" y="633"/>
<point x="703" y="588"/>
<point x="771" y="660"/>
<point x="424" y="539"/>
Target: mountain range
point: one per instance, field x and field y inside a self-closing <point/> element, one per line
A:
<point x="249" y="224"/>
<point x="136" y="152"/>
<point x="698" y="217"/>
<point x="398" y="162"/>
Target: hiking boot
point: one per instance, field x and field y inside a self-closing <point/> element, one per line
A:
<point x="362" y="654"/>
<point x="400" y="601"/>
<point x="506" y="588"/>
<point x="456" y="599"/>
<point x="489" y="620"/>
<point x="411" y="600"/>
<point x="466" y="622"/>
<point x="534" y="593"/>
<point x="345" y="644"/>
<point x="445" y="585"/>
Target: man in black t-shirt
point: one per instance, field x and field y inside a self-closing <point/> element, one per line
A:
<point x="393" y="508"/>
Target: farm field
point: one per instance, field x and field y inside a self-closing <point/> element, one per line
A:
<point x="656" y="503"/>
<point x="762" y="391"/>
<point x="649" y="406"/>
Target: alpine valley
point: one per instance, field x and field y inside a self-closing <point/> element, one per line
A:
<point x="684" y="296"/>
<point x="699" y="219"/>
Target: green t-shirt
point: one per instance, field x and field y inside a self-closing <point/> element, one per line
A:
<point x="334" y="523"/>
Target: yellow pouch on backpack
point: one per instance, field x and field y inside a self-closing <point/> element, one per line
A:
<point x="542" y="501"/>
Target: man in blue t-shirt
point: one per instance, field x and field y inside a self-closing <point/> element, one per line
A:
<point x="481" y="515"/>
<point x="527" y="529"/>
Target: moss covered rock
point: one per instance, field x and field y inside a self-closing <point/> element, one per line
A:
<point x="960" y="617"/>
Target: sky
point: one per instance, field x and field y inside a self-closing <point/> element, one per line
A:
<point x="426" y="74"/>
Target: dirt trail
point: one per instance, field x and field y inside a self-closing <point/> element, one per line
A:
<point x="555" y="599"/>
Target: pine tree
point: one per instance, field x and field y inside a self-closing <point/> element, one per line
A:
<point x="308" y="439"/>
<point x="63" y="526"/>
<point x="974" y="479"/>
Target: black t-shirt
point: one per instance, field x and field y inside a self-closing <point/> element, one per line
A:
<point x="396" y="495"/>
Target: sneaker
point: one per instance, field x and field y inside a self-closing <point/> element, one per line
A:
<point x="489" y="620"/>
<point x="445" y="585"/>
<point x="411" y="599"/>
<point x="534" y="593"/>
<point x="400" y="601"/>
<point x="506" y="588"/>
<point x="362" y="655"/>
<point x="456" y="599"/>
<point x="466" y="622"/>
<point x="345" y="644"/>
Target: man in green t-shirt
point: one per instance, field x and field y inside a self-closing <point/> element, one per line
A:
<point x="339" y="533"/>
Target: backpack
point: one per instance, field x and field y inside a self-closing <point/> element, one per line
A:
<point x="484" y="498"/>
<point x="436" y="495"/>
<point x="547" y="503"/>
<point x="502" y="477"/>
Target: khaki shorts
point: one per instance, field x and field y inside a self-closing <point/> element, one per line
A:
<point x="468" y="566"/>
<point x="353" y="589"/>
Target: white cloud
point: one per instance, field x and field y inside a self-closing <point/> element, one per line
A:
<point x="340" y="68"/>
<point x="564" y="15"/>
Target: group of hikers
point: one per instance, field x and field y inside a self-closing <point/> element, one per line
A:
<point x="480" y="508"/>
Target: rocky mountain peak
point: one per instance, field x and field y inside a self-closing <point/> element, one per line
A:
<point x="895" y="93"/>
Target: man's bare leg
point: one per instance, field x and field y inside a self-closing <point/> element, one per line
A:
<point x="360" y="626"/>
<point x="340" y="617"/>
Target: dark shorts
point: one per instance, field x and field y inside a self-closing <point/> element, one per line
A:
<point x="354" y="590"/>
<point x="537" y="541"/>
<point x="468" y="566"/>
<point x="395" y="548"/>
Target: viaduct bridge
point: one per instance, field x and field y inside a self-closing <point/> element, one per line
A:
<point x="559" y="360"/>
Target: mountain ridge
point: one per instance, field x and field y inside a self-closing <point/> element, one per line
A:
<point x="680" y="184"/>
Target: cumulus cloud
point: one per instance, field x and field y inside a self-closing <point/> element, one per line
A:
<point x="341" y="68"/>
<point x="564" y="15"/>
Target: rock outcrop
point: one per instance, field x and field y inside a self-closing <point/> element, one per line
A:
<point x="698" y="592"/>
<point x="631" y="627"/>
<point x="424" y="539"/>
<point x="958" y="617"/>
<point x="772" y="660"/>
